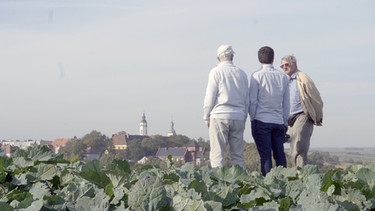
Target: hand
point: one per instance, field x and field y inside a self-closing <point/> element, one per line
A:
<point x="320" y="123"/>
<point x="287" y="138"/>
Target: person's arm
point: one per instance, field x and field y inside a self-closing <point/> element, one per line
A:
<point x="317" y="103"/>
<point x="286" y="102"/>
<point x="311" y="97"/>
<point x="210" y="97"/>
<point x="247" y="99"/>
<point x="253" y="97"/>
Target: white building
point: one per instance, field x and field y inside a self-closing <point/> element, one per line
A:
<point x="143" y="126"/>
<point x="24" y="144"/>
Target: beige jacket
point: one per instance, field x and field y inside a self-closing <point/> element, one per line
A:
<point x="311" y="101"/>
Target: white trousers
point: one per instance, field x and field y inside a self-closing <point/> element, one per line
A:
<point x="225" y="132"/>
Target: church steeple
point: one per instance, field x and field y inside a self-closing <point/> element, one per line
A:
<point x="143" y="126"/>
<point x="172" y="132"/>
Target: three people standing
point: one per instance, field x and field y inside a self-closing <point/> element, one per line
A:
<point x="273" y="100"/>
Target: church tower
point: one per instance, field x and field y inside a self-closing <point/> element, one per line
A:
<point x="172" y="132"/>
<point x="143" y="126"/>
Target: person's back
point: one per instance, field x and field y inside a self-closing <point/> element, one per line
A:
<point x="225" y="109"/>
<point x="269" y="110"/>
<point x="232" y="91"/>
<point x="271" y="85"/>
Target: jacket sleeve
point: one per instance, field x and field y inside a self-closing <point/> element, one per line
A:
<point x="253" y="97"/>
<point x="210" y="97"/>
<point x="310" y="97"/>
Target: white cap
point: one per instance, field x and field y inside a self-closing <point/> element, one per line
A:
<point x="225" y="49"/>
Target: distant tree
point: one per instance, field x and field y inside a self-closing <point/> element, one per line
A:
<point x="73" y="149"/>
<point x="151" y="145"/>
<point x="134" y="151"/>
<point x="96" y="140"/>
<point x="178" y="141"/>
<point x="76" y="148"/>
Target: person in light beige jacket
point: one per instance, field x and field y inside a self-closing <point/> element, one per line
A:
<point x="306" y="110"/>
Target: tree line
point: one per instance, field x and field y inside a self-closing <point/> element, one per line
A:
<point x="76" y="149"/>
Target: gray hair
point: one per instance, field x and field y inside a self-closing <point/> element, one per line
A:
<point x="290" y="58"/>
<point x="226" y="57"/>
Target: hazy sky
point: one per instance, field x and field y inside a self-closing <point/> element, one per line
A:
<point x="70" y="67"/>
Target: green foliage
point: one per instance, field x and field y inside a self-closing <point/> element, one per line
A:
<point x="177" y="141"/>
<point x="135" y="151"/>
<point x="95" y="140"/>
<point x="73" y="150"/>
<point x="76" y="148"/>
<point x="148" y="193"/>
<point x="137" y="148"/>
<point x="92" y="172"/>
<point x="37" y="179"/>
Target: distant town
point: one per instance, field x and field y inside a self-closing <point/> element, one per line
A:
<point x="190" y="152"/>
<point x="141" y="147"/>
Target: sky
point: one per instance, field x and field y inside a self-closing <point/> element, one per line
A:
<point x="70" y="67"/>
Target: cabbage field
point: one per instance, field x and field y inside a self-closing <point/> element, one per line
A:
<point x="38" y="179"/>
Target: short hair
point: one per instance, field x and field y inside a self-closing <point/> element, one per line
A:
<point x="290" y="58"/>
<point x="225" y="53"/>
<point x="224" y="57"/>
<point x="266" y="55"/>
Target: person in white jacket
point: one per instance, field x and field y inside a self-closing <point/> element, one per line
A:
<point x="225" y="109"/>
<point x="306" y="110"/>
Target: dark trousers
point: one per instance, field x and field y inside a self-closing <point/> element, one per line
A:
<point x="269" y="139"/>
